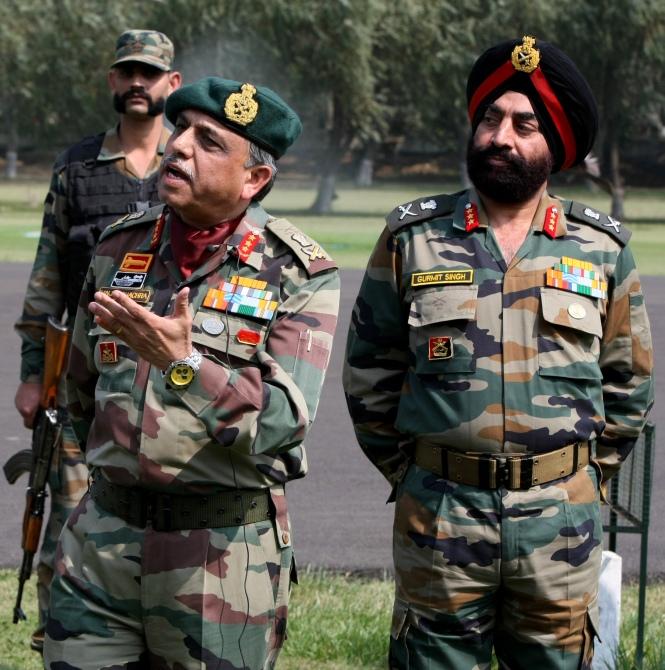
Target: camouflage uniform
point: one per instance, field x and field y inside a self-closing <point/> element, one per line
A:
<point x="488" y="358"/>
<point x="46" y="295"/>
<point x="127" y="596"/>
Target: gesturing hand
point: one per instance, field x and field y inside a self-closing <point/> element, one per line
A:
<point x="157" y="339"/>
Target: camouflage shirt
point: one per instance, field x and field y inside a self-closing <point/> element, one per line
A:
<point x="45" y="293"/>
<point x="450" y="346"/>
<point x="264" y="311"/>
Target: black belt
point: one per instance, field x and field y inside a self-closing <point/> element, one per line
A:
<point x="165" y="512"/>
<point x="496" y="470"/>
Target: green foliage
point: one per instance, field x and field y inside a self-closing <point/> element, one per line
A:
<point x="53" y="87"/>
<point x="362" y="73"/>
<point x="620" y="46"/>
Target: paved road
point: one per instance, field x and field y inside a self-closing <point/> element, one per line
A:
<point x="338" y="510"/>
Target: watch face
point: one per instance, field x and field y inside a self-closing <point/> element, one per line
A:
<point x="181" y="375"/>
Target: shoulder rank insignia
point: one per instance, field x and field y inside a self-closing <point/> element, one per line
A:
<point x="429" y="207"/>
<point x="471" y="220"/>
<point x="551" y="221"/>
<point x="132" y="219"/>
<point x="580" y="212"/>
<point x="313" y="256"/>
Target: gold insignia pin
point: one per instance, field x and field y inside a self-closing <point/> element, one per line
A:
<point x="241" y="108"/>
<point x="525" y="56"/>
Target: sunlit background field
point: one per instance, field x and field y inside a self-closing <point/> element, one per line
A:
<point x="349" y="233"/>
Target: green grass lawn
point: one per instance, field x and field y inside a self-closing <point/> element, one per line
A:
<point x="336" y="622"/>
<point x="350" y="231"/>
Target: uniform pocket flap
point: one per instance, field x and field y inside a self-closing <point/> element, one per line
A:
<point x="452" y="303"/>
<point x="228" y="334"/>
<point x="571" y="310"/>
<point x="97" y="330"/>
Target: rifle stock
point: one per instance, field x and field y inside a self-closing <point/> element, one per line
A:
<point x="45" y="439"/>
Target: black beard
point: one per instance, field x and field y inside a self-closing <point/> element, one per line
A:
<point x="155" y="108"/>
<point x="516" y="181"/>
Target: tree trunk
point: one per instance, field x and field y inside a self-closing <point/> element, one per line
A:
<point x="11" y="167"/>
<point x="325" y="195"/>
<point x="462" y="166"/>
<point x="365" y="173"/>
<point x="618" y="192"/>
<point x="331" y="162"/>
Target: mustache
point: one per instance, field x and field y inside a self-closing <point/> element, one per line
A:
<point x="503" y="153"/>
<point x="174" y="161"/>
<point x="136" y="92"/>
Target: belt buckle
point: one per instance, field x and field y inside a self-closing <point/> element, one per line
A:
<point x="502" y="473"/>
<point x="158" y="511"/>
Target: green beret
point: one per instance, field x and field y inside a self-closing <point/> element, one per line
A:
<point x="255" y="112"/>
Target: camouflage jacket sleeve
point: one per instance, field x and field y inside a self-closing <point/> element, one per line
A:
<point x="44" y="294"/>
<point x="626" y="363"/>
<point x="377" y="359"/>
<point x="82" y="374"/>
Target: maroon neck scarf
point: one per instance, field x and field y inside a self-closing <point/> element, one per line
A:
<point x="192" y="247"/>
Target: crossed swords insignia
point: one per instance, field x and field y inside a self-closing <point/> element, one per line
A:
<point x="613" y="223"/>
<point x="406" y="209"/>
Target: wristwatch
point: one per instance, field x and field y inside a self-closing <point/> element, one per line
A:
<point x="180" y="374"/>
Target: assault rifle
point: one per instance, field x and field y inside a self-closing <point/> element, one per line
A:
<point x="37" y="461"/>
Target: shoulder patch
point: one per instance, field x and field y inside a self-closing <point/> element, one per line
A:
<point x="133" y="218"/>
<point x="580" y="212"/>
<point x="429" y="207"/>
<point x="311" y="255"/>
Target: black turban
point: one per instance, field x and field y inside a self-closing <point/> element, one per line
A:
<point x="561" y="97"/>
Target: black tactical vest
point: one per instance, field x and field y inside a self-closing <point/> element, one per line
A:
<point x="97" y="195"/>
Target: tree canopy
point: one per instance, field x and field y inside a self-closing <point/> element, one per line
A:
<point x="360" y="72"/>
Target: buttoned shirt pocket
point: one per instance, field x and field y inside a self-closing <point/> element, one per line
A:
<point x="439" y="329"/>
<point x="569" y="335"/>
<point x="231" y="339"/>
<point x="115" y="361"/>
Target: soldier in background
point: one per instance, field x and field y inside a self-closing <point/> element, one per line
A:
<point x="191" y="392"/>
<point x="498" y="371"/>
<point x="94" y="182"/>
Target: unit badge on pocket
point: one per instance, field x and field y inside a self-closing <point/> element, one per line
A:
<point x="440" y="347"/>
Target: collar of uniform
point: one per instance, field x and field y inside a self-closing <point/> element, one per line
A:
<point x="163" y="139"/>
<point x="543" y="216"/>
<point x="470" y="197"/>
<point x="254" y="221"/>
<point x="111" y="149"/>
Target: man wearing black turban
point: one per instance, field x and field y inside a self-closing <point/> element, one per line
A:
<point x="498" y="371"/>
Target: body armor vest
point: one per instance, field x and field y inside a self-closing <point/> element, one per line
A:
<point x="97" y="194"/>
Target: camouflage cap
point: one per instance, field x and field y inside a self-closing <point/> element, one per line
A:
<point x="144" y="46"/>
<point x="255" y="112"/>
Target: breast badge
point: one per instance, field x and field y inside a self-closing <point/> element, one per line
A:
<point x="108" y="352"/>
<point x="440" y="348"/>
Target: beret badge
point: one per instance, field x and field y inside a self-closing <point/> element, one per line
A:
<point x="241" y="108"/>
<point x="525" y="56"/>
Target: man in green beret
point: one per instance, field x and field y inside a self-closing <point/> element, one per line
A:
<point x="94" y="182"/>
<point x="200" y="345"/>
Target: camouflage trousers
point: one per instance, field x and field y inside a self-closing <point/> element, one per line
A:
<point x="68" y="481"/>
<point x="128" y="597"/>
<point x="477" y="569"/>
